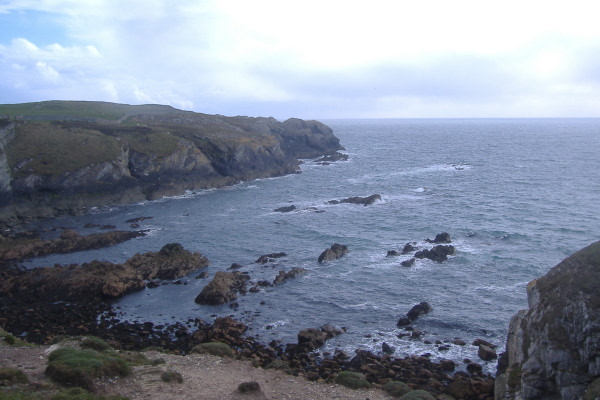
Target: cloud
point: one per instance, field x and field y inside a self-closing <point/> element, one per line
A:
<point x="311" y="59"/>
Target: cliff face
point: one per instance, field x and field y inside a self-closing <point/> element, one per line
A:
<point x="553" y="348"/>
<point x="52" y="164"/>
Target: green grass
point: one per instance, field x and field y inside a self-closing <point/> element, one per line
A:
<point x="396" y="388"/>
<point x="72" y="367"/>
<point x="37" y="144"/>
<point x="58" y="109"/>
<point x="95" y="343"/>
<point x="214" y="348"/>
<point x="352" y="380"/>
<point x="12" y="376"/>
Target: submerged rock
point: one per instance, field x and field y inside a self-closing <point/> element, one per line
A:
<point x="285" y="209"/>
<point x="438" y="253"/>
<point x="365" y="201"/>
<point x="553" y="347"/>
<point x="266" y="258"/>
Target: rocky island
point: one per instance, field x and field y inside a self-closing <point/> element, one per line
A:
<point x="61" y="157"/>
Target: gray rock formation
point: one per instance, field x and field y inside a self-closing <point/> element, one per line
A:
<point x="553" y="347"/>
<point x="223" y="288"/>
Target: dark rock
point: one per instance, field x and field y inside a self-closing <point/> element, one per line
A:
<point x="365" y="201"/>
<point x="392" y="253"/>
<point x="387" y="349"/>
<point x="408" y="263"/>
<point x="333" y="253"/>
<point x="235" y="266"/>
<point x="223" y="288"/>
<point x="337" y="156"/>
<point x="152" y="284"/>
<point x="269" y="257"/>
<point x="202" y="275"/>
<point x="404" y="322"/>
<point x="486" y="353"/>
<point x="286" y="209"/>
<point x="440" y="238"/>
<point x="474" y="368"/>
<point x="283" y="276"/>
<point x="138" y="219"/>
<point x="408" y="248"/>
<point x="478" y="342"/>
<point x="438" y="253"/>
<point x="418" y="310"/>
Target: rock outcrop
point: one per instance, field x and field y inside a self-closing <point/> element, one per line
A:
<point x="150" y="152"/>
<point x="553" y="347"/>
<point x="365" y="201"/>
<point x="419" y="309"/>
<point x="223" y="288"/>
<point x="333" y="253"/>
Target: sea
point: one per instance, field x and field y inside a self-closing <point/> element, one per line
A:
<point x="517" y="196"/>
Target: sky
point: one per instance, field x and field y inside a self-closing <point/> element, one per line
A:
<point x="312" y="59"/>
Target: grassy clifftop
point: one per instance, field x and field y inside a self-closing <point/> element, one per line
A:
<point x="72" y="154"/>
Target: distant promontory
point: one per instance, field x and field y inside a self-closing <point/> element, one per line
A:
<point x="61" y="157"/>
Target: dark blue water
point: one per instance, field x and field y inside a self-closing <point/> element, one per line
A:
<point x="517" y="196"/>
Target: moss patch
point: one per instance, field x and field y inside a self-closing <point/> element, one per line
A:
<point x="418" y="395"/>
<point x="396" y="388"/>
<point x="12" y="376"/>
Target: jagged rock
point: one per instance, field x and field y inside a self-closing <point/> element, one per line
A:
<point x="387" y="349"/>
<point x="235" y="266"/>
<point x="311" y="339"/>
<point x="553" y="347"/>
<point x="283" y="276"/>
<point x="269" y="257"/>
<point x="223" y="288"/>
<point x="415" y="312"/>
<point x="365" y="201"/>
<point x="438" y="253"/>
<point x="333" y="253"/>
<point x="440" y="238"/>
<point x="337" y="156"/>
<point x="392" y="253"/>
<point x="285" y="209"/>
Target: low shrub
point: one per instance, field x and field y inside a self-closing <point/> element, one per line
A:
<point x="279" y="365"/>
<point x="418" y="395"/>
<point x="72" y="367"/>
<point x="248" y="387"/>
<point x="396" y="388"/>
<point x="352" y="380"/>
<point x="95" y="343"/>
<point x="171" y="376"/>
<point x="12" y="376"/>
<point x="10" y="339"/>
<point x="214" y="348"/>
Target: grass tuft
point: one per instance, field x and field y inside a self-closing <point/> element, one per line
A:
<point x="171" y="376"/>
<point x="214" y="348"/>
<point x="396" y="388"/>
<point x="352" y="380"/>
<point x="12" y="376"/>
<point x="72" y="367"/>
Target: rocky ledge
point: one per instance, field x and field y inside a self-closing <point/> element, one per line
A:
<point x="144" y="153"/>
<point x="553" y="347"/>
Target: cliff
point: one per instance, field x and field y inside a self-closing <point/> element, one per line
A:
<point x="553" y="347"/>
<point x="61" y="157"/>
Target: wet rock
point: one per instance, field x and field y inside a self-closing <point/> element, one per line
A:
<point x="283" y="276"/>
<point x="223" y="288"/>
<point x="408" y="263"/>
<point x="365" y="201"/>
<point x="137" y="219"/>
<point x="438" y="253"/>
<point x="333" y="253"/>
<point x="409" y="248"/>
<point x="266" y="258"/>
<point x="387" y="349"/>
<point x="393" y="253"/>
<point x="414" y="313"/>
<point x="235" y="266"/>
<point x="440" y="238"/>
<point x="486" y="353"/>
<point x="329" y="158"/>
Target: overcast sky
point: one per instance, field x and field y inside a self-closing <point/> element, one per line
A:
<point x="309" y="59"/>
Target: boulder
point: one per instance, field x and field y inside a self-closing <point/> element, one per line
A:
<point x="408" y="263"/>
<point x="333" y="253"/>
<point x="553" y="347"/>
<point x="409" y="248"/>
<point x="486" y="353"/>
<point x="438" y="253"/>
<point x="223" y="288"/>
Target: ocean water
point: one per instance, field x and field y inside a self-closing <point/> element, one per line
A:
<point x="516" y="195"/>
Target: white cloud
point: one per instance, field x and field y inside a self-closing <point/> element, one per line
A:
<point x="315" y="58"/>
